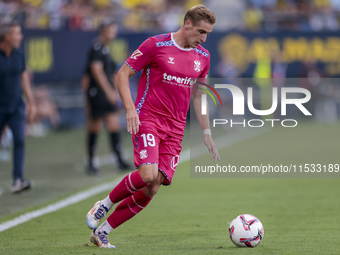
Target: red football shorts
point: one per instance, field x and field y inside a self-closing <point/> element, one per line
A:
<point x="152" y="146"/>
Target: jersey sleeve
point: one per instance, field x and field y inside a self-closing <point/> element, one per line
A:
<point x="144" y="54"/>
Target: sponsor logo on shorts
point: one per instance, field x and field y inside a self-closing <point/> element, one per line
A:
<point x="143" y="154"/>
<point x="174" y="162"/>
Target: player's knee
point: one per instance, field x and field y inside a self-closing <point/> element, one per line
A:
<point x="149" y="176"/>
<point x="148" y="173"/>
<point x="152" y="190"/>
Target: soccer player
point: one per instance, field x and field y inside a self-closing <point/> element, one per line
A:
<point x="13" y="81"/>
<point x="171" y="63"/>
<point x="102" y="95"/>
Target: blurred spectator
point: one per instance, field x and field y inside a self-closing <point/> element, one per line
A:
<point x="47" y="113"/>
<point x="172" y="19"/>
<point x="226" y="68"/>
<point x="323" y="16"/>
<point x="253" y="17"/>
<point x="323" y="91"/>
<point x="311" y="73"/>
<point x="46" y="108"/>
<point x="278" y="69"/>
<point x="229" y="14"/>
<point x="148" y="15"/>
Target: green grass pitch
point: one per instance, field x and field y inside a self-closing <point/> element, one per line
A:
<point x="300" y="216"/>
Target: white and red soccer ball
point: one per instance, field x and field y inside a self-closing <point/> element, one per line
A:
<point x="246" y="231"/>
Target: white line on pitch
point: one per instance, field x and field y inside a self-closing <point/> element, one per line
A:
<point x="59" y="205"/>
<point x="222" y="142"/>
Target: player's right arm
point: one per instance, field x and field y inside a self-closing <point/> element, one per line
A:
<point x="123" y="85"/>
<point x="139" y="59"/>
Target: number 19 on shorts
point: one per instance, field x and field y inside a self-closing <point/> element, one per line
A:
<point x="148" y="140"/>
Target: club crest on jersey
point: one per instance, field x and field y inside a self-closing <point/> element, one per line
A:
<point x="171" y="60"/>
<point x="136" y="53"/>
<point x="174" y="162"/>
<point x="197" y="66"/>
<point x="143" y="154"/>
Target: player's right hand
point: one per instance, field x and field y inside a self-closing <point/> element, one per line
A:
<point x="133" y="122"/>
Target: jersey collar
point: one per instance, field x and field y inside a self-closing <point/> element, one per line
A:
<point x="179" y="47"/>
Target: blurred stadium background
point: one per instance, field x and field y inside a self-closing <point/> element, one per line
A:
<point x="252" y="39"/>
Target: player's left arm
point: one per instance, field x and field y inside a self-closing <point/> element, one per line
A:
<point x="203" y="120"/>
<point x="31" y="109"/>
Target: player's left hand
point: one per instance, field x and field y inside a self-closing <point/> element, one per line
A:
<point x="209" y="142"/>
<point x="31" y="112"/>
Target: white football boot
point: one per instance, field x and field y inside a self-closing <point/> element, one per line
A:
<point x="94" y="216"/>
<point x="100" y="239"/>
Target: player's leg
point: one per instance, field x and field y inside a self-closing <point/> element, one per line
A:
<point x="128" y="208"/>
<point x="146" y="160"/>
<point x="113" y="127"/>
<point x="17" y="123"/>
<point x="135" y="203"/>
<point x="169" y="156"/>
<point x="169" y="150"/>
<point x="127" y="187"/>
<point x="94" y="126"/>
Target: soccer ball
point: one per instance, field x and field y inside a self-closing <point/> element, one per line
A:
<point x="246" y="231"/>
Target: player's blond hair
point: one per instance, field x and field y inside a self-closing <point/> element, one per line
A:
<point x="200" y="12"/>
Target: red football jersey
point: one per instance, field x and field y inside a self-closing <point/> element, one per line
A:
<point x="169" y="73"/>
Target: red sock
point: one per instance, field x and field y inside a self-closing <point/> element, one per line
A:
<point x="128" y="208"/>
<point x="128" y="186"/>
